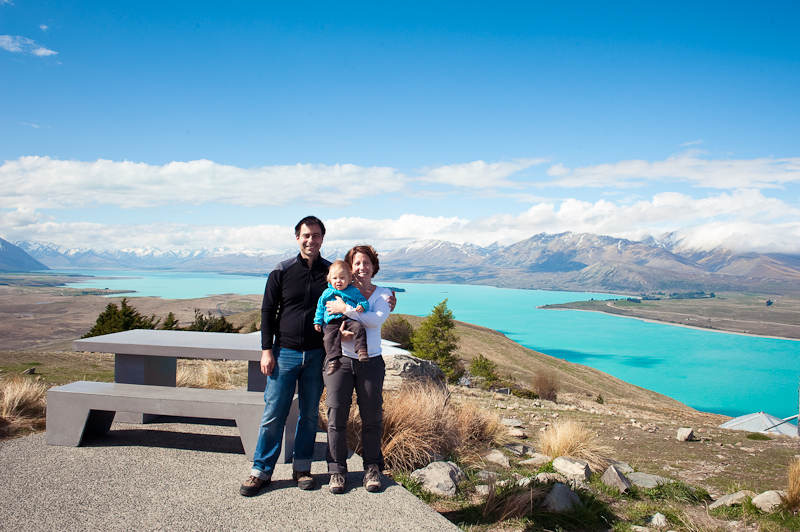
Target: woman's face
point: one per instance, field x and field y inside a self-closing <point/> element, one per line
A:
<point x="362" y="267"/>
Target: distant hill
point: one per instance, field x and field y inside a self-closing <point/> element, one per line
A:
<point x="14" y="259"/>
<point x="565" y="261"/>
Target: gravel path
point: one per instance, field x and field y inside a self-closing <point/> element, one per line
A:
<point x="184" y="477"/>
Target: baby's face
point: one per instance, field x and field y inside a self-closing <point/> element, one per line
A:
<point x="340" y="279"/>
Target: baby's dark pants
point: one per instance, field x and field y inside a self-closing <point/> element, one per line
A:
<point x="333" y="339"/>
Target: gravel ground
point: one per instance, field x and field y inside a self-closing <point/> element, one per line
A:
<point x="181" y="476"/>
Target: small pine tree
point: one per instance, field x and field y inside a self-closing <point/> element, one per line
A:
<point x="436" y="340"/>
<point x="397" y="329"/>
<point x="170" y="323"/>
<point x="211" y="323"/>
<point x="483" y="367"/>
<point x="123" y="318"/>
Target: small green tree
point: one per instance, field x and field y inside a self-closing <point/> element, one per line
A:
<point x="485" y="368"/>
<point x="397" y="329"/>
<point x="170" y="323"/>
<point x="436" y="340"/>
<point x="211" y="323"/>
<point x="123" y="318"/>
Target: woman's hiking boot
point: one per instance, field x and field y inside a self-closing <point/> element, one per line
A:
<point x="372" y="479"/>
<point x="336" y="484"/>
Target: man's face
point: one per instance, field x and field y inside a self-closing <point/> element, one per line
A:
<point x="310" y="241"/>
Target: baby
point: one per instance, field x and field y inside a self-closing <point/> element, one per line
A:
<point x="339" y="286"/>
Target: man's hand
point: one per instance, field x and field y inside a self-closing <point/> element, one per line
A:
<point x="392" y="301"/>
<point x="267" y="362"/>
<point x="346" y="335"/>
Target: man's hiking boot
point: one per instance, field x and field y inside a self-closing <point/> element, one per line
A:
<point x="304" y="480"/>
<point x="336" y="483"/>
<point x="372" y="479"/>
<point x="253" y="485"/>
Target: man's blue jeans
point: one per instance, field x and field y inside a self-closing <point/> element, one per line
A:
<point x="303" y="368"/>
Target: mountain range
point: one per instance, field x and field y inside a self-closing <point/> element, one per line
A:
<point x="566" y="261"/>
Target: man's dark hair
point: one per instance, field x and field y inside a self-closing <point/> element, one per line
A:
<point x="309" y="221"/>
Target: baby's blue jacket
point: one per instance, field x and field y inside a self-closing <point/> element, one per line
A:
<point x="350" y="295"/>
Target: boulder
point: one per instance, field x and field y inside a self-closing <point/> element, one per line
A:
<point x="623" y="467"/>
<point x="496" y="457"/>
<point x="658" y="520"/>
<point x="733" y="499"/>
<point x="439" y="478"/>
<point x="685" y="434"/>
<point x="537" y="460"/>
<point x="561" y="499"/>
<point x="643" y="480"/>
<point x="511" y="422"/>
<point x="613" y="477"/>
<point x="402" y="367"/>
<point x="516" y="433"/>
<point x="544" y="478"/>
<point x="482" y="490"/>
<point x="571" y="468"/>
<point x="486" y="476"/>
<point x="767" y="501"/>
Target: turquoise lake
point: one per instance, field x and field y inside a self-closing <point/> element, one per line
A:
<point x="710" y="371"/>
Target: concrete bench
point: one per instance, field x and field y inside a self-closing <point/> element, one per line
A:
<point x="89" y="407"/>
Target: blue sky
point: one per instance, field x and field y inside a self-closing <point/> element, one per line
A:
<point x="184" y="125"/>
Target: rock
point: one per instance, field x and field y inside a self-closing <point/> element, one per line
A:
<point x="767" y="501"/>
<point x="524" y="482"/>
<point x="643" y="480"/>
<point x="499" y="397"/>
<point x="516" y="449"/>
<point x="544" y="478"/>
<point x="516" y="433"/>
<point x="623" y="467"/>
<point x="496" y="457"/>
<point x="482" y="490"/>
<point x="658" y="520"/>
<point x="537" y="461"/>
<point x="439" y="478"/>
<point x="613" y="477"/>
<point x="732" y="499"/>
<point x="570" y="467"/>
<point x="685" y="434"/>
<point x="401" y="367"/>
<point x="486" y="476"/>
<point x="561" y="499"/>
<point x="29" y="371"/>
<point x="636" y="528"/>
<point x="511" y="422"/>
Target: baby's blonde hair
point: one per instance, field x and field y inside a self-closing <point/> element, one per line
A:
<point x="340" y="265"/>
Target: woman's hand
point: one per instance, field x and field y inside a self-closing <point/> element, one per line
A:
<point x="336" y="307"/>
<point x="346" y="335"/>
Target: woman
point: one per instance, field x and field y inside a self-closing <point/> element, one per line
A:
<point x="366" y="378"/>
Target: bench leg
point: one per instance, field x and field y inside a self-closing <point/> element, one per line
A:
<point x="140" y="369"/>
<point x="66" y="420"/>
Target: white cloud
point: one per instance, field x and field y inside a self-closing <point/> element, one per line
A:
<point x="692" y="142"/>
<point x="44" y="27"/>
<point x="42" y="182"/>
<point x="478" y="174"/>
<point x="15" y="43"/>
<point x="767" y="172"/>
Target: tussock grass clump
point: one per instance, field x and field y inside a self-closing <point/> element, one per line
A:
<point x="573" y="440"/>
<point x="791" y="501"/>
<point x="23" y="402"/>
<point x="514" y="502"/>
<point x="420" y="421"/>
<point x="206" y="374"/>
<point x="545" y="385"/>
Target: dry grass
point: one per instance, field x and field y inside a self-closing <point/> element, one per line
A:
<point x="513" y="503"/>
<point x="567" y="438"/>
<point x="23" y="402"/>
<point x="545" y="385"/>
<point x="420" y="421"/>
<point x="211" y="374"/>
<point x="791" y="501"/>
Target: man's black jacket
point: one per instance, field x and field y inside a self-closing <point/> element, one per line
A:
<point x="290" y="299"/>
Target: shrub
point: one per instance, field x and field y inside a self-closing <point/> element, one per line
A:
<point x="211" y="324"/>
<point x="483" y="367"/>
<point x="758" y="436"/>
<point x="599" y="400"/>
<point x="573" y="440"/>
<point x="22" y="402"/>
<point x="170" y="323"/>
<point x="123" y="318"/>
<point x="545" y="385"/>
<point x="791" y="501"/>
<point x="398" y="329"/>
<point x="436" y="340"/>
<point x="419" y="421"/>
<point x="206" y="374"/>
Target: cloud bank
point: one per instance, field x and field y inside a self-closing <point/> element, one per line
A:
<point x="15" y="43"/>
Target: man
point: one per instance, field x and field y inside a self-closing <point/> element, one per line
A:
<point x="292" y="354"/>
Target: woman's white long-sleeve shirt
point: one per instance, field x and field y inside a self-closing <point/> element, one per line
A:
<point x="378" y="312"/>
